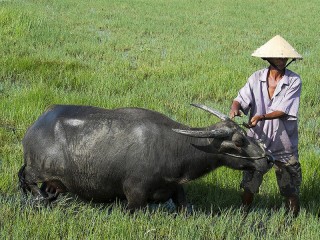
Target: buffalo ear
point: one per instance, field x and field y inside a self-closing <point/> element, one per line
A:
<point x="238" y="140"/>
<point x="228" y="146"/>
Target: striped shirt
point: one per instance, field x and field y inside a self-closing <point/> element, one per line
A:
<point x="280" y="135"/>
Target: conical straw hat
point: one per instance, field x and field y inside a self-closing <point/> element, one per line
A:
<point x="276" y="47"/>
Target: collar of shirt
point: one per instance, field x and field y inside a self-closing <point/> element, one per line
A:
<point x="284" y="80"/>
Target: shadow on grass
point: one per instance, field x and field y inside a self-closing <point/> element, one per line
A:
<point x="203" y="198"/>
<point x="310" y="194"/>
<point x="207" y="197"/>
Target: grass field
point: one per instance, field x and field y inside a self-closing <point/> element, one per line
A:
<point x="160" y="55"/>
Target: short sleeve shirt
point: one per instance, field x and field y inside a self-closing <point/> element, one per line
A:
<point x="280" y="135"/>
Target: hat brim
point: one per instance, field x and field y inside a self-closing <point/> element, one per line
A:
<point x="277" y="47"/>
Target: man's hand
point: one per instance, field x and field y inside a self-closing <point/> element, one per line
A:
<point x="254" y="121"/>
<point x="235" y="110"/>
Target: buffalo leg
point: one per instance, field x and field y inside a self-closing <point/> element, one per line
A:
<point x="52" y="194"/>
<point x="136" y="196"/>
<point x="27" y="183"/>
<point x="179" y="198"/>
<point x="22" y="181"/>
<point x="35" y="190"/>
<point x="53" y="188"/>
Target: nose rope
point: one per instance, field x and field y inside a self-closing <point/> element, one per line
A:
<point x="254" y="158"/>
<point x="251" y="158"/>
<point x="236" y="156"/>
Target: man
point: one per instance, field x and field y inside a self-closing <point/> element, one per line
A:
<point x="271" y="97"/>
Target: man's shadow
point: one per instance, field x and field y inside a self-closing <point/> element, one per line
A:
<point x="208" y="197"/>
<point x="310" y="194"/>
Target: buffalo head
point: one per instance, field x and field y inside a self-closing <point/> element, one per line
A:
<point x="229" y="141"/>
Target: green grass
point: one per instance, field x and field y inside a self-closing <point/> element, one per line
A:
<point x="161" y="55"/>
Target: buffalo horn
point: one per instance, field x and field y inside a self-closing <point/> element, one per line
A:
<point x="216" y="133"/>
<point x="212" y="111"/>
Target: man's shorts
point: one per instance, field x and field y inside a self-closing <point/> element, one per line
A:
<point x="288" y="174"/>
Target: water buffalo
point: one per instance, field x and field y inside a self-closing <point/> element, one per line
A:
<point x="128" y="153"/>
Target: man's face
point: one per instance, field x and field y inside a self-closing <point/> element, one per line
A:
<point x="280" y="63"/>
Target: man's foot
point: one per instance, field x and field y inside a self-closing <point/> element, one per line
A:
<point x="293" y="205"/>
<point x="247" y="199"/>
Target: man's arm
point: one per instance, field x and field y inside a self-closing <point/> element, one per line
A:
<point x="273" y="115"/>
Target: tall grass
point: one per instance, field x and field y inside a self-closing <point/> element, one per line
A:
<point x="161" y="55"/>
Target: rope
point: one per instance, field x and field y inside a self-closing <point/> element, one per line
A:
<point x="236" y="156"/>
